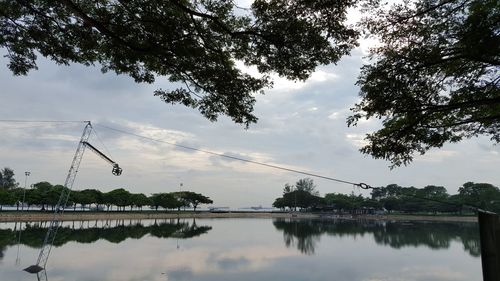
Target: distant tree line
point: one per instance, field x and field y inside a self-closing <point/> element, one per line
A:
<point x="46" y="196"/>
<point x="393" y="198"/>
<point x="436" y="198"/>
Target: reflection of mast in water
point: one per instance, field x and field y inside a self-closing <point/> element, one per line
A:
<point x="42" y="275"/>
<point x="178" y="222"/>
<point x="20" y="231"/>
<point x="172" y="228"/>
<point x="27" y="174"/>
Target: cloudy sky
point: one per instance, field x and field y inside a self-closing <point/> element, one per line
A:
<point x="301" y="126"/>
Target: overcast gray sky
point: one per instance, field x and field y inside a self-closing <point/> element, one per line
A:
<point x="301" y="126"/>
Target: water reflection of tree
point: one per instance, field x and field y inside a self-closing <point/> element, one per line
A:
<point x="393" y="234"/>
<point x="304" y="234"/>
<point x="6" y="236"/>
<point x="114" y="232"/>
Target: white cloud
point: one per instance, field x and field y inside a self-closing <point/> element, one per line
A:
<point x="319" y="76"/>
<point x="334" y="116"/>
<point x="436" y="155"/>
<point x="356" y="140"/>
<point x="419" y="273"/>
<point x="208" y="261"/>
<point x="62" y="137"/>
<point x="158" y="133"/>
<point x="322" y="76"/>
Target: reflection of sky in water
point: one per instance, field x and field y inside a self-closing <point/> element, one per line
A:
<point x="247" y="249"/>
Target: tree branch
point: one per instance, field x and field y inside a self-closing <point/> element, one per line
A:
<point x="215" y="20"/>
<point x="466" y="121"/>
<point x="99" y="26"/>
<point x="425" y="11"/>
<point x="451" y="106"/>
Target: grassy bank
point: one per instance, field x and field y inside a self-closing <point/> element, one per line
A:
<point x="8" y="216"/>
<point x="400" y="217"/>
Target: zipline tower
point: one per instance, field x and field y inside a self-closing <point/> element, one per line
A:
<point x="63" y="198"/>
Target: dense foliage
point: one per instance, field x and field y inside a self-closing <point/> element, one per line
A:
<point x="434" y="78"/>
<point x="196" y="43"/>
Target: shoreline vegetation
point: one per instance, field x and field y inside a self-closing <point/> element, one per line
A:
<point x="32" y="216"/>
<point x="301" y="200"/>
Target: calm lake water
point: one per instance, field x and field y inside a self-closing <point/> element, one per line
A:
<point x="246" y="249"/>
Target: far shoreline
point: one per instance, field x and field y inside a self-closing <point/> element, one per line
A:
<point x="33" y="216"/>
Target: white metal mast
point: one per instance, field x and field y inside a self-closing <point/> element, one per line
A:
<point x="63" y="198"/>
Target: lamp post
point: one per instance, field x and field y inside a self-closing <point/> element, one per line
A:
<point x="27" y="174"/>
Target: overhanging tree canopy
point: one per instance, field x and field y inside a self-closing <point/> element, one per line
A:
<point x="194" y="42"/>
<point x="433" y="79"/>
